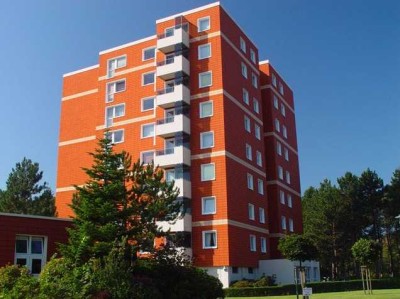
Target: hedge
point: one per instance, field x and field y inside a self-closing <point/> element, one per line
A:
<point x="318" y="287"/>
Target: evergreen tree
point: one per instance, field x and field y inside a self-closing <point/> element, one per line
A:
<point x="25" y="194"/>
<point x="120" y="201"/>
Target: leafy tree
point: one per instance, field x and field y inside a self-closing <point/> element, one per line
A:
<point x="365" y="251"/>
<point x="120" y="200"/>
<point x="25" y="194"/>
<point x="297" y="248"/>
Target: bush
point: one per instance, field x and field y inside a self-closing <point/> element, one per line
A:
<point x="17" y="283"/>
<point x="264" y="281"/>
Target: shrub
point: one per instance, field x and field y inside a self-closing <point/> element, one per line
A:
<point x="244" y="283"/>
<point x="17" y="283"/>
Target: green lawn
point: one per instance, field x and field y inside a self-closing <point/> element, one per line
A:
<point x="377" y="294"/>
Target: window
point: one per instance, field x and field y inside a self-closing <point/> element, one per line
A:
<point x="284" y="131"/>
<point x="253" y="55"/>
<point x="253" y="244"/>
<point x="256" y="105"/>
<point x="113" y="88"/>
<point x="206" y="139"/>
<point x="273" y="80"/>
<point x="147" y="104"/>
<point x="279" y="148"/>
<point x="246" y="96"/>
<point x="283" y="222"/>
<point x="147" y="130"/>
<point x="280" y="172"/>
<point x="242" y="45"/>
<point x="169" y="31"/>
<point x="114" y="112"/>
<point x="281" y="88"/>
<point x="289" y="201"/>
<point x="205" y="79"/>
<point x="169" y="175"/>
<point x="206" y="109"/>
<point x="286" y="154"/>
<point x="287" y="177"/>
<point x="204" y="51"/>
<point x="115" y="136"/>
<point x="244" y="70"/>
<point x="254" y="80"/>
<point x="250" y="208"/>
<point x="277" y="125"/>
<point x="250" y="181"/>
<point x="260" y="186"/>
<point x="114" y="64"/>
<point x="30" y="251"/>
<point x="257" y="131"/>
<point x="261" y="215"/>
<point x="148" y="53"/>
<point x="209" y="239"/>
<point x="291" y="225"/>
<point x="283" y="109"/>
<point x="148" y="79"/>
<point x="263" y="244"/>
<point x="208" y="172"/>
<point x="147" y="157"/>
<point x="276" y="102"/>
<point x="249" y="154"/>
<point x="208" y="205"/>
<point x="247" y="125"/>
<point x="282" y="197"/>
<point x="235" y="270"/>
<point x="203" y="24"/>
<point x="259" y="158"/>
<point x="250" y="270"/>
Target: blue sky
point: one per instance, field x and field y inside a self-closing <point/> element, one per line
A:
<point x="341" y="58"/>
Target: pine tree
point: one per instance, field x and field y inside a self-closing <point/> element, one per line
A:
<point x="25" y="194"/>
<point x="120" y="201"/>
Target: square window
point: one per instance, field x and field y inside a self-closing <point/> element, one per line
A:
<point x="259" y="158"/>
<point x="147" y="157"/>
<point x="280" y="172"/>
<point x="246" y="96"/>
<point x="276" y="102"/>
<point x="242" y="45"/>
<point x="250" y="181"/>
<point x="247" y="125"/>
<point x="257" y="131"/>
<point x="284" y="131"/>
<point x="253" y="55"/>
<point x="207" y="172"/>
<point x="289" y="201"/>
<point x="283" y="109"/>
<point x="260" y="186"/>
<point x="149" y="53"/>
<point x="115" y="136"/>
<point x="273" y="80"/>
<point x="256" y="105"/>
<point x="203" y="24"/>
<point x="148" y="79"/>
<point x="114" y="64"/>
<point x="244" y="70"/>
<point x="288" y="177"/>
<point x="209" y="239"/>
<point x="254" y="80"/>
<point x="208" y="205"/>
<point x="286" y="154"/>
<point x="206" y="140"/>
<point x="291" y="229"/>
<point x="205" y="79"/>
<point x="206" y="109"/>
<point x="114" y="87"/>
<point x="261" y="213"/>
<point x="249" y="154"/>
<point x="147" y="104"/>
<point x="283" y="222"/>
<point x="282" y="197"/>
<point x="147" y="130"/>
<point x="250" y="208"/>
<point x="263" y="244"/>
<point x="277" y="125"/>
<point x="204" y="51"/>
<point x="279" y="148"/>
<point x="253" y="244"/>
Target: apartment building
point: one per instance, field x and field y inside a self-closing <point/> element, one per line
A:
<point x="196" y="100"/>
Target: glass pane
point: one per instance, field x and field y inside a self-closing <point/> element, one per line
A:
<point x="204" y="24"/>
<point x="149" y="53"/>
<point x="120" y="86"/>
<point x="37" y="246"/>
<point x="206" y="109"/>
<point x="121" y="62"/>
<point x="205" y="79"/>
<point x="208" y="140"/>
<point x="148" y="104"/>
<point x="148" y="78"/>
<point x="170" y="175"/>
<point x="208" y="172"/>
<point x="148" y="130"/>
<point x="36" y="266"/>
<point x="21" y="262"/>
<point x="169" y="32"/>
<point x="148" y="157"/>
<point x="119" y="110"/>
<point x="209" y="205"/>
<point x="204" y="51"/>
<point x="21" y="246"/>
<point x="118" y="136"/>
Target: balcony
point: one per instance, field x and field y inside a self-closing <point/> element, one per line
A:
<point x="167" y="69"/>
<point x="166" y="98"/>
<point x="181" y="225"/>
<point x="166" y="42"/>
<point x="172" y="156"/>
<point x="167" y="127"/>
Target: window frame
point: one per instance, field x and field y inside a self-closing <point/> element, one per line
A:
<point x="29" y="256"/>
<point x="260" y="186"/>
<point x="286" y="153"/>
<point x="154" y="78"/>
<point x="249" y="152"/>
<point x="113" y="107"/>
<point x="263" y="245"/>
<point x="202" y="166"/>
<point x="113" y="94"/>
<point x="253" y="56"/>
<point x="289" y="200"/>
<point x="202" y="19"/>
<point x="276" y="101"/>
<point x="250" y="181"/>
<point x="277" y="125"/>
<point x="254" y="80"/>
<point x="280" y="172"/>
<point x="145" y="152"/>
<point x="256" y="106"/>
<point x="261" y="215"/>
<point x="284" y="131"/>
<point x="142" y="104"/>
<point x="279" y="148"/>
<point x="203" y="74"/>
<point x="253" y="243"/>
<point x="203" y="46"/>
<point x="283" y="223"/>
<point x="112" y="133"/>
<point x="291" y="225"/>
<point x="251" y="211"/>
<point x="257" y="131"/>
<point x="287" y="176"/>
<point x="146" y="125"/>
<point x="203" y="199"/>
<point x="244" y="70"/>
<point x="282" y="199"/>
<point x="245" y="96"/>
<point x="146" y="49"/>
<point x="273" y="79"/>
<point x="203" y="234"/>
<point x="259" y="158"/>
<point x="243" y="46"/>
<point x="116" y="59"/>
<point x="247" y="124"/>
<point x="283" y="110"/>
<point x="200" y="108"/>
<point x="202" y="141"/>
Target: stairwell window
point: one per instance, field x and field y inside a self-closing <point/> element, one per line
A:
<point x="204" y="51"/>
<point x="205" y="79"/>
<point x="203" y="24"/>
<point x="115" y="63"/>
<point x="209" y="239"/>
<point x="113" y="88"/>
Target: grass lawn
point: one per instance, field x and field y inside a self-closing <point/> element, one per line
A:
<point x="377" y="294"/>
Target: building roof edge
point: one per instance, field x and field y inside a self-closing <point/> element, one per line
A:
<point x="81" y="70"/>
<point x="35" y="217"/>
